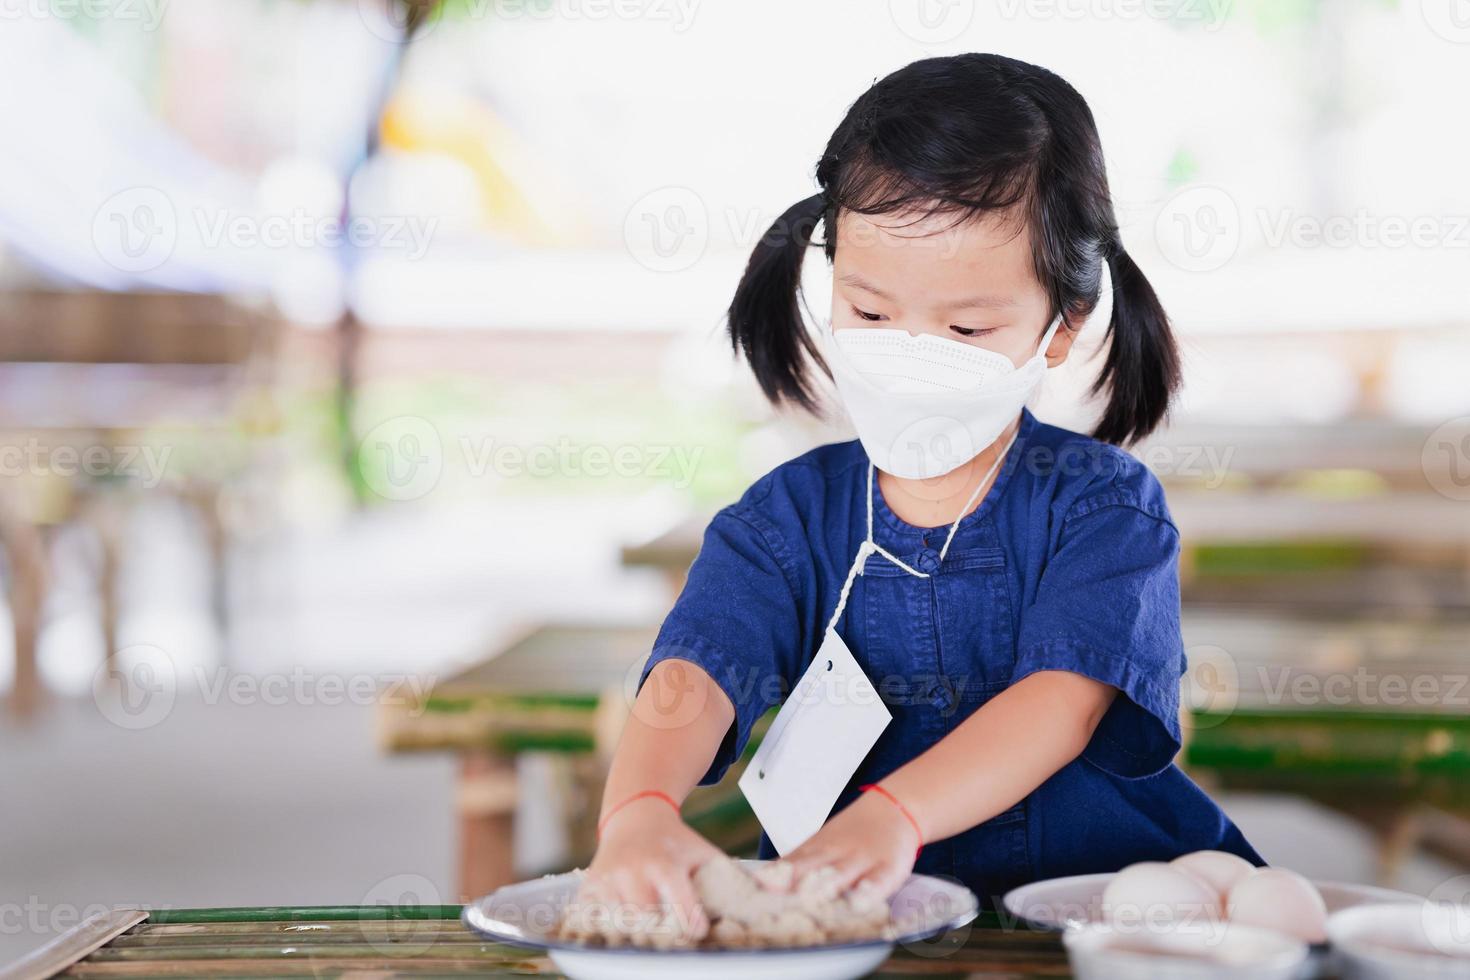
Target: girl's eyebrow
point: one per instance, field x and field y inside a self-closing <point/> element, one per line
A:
<point x="858" y="282"/>
<point x="984" y="303"/>
<point x="971" y="303"/>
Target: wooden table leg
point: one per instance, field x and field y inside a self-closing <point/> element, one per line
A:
<point x="107" y="523"/>
<point x="487" y="804"/>
<point x="26" y="553"/>
<point x="1398" y="831"/>
<point x="586" y="776"/>
<point x="1397" y="844"/>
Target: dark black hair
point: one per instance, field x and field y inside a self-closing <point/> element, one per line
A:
<point x="968" y="135"/>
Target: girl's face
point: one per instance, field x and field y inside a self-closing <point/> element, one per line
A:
<point x="972" y="282"/>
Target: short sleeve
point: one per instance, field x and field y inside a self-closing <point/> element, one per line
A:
<point x="1107" y="608"/>
<point x="736" y="618"/>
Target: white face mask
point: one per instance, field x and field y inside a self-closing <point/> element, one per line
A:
<point x="924" y="406"/>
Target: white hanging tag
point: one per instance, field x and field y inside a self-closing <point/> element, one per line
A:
<point x="817" y="741"/>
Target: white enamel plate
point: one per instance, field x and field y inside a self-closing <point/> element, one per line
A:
<point x="526" y="914"/>
<point x="1059" y="902"/>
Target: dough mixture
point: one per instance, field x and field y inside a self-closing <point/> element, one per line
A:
<point x="745" y="910"/>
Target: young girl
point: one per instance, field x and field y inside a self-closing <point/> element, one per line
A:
<point x="1010" y="588"/>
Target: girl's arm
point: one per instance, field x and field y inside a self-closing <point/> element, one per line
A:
<point x="646" y="854"/>
<point x="995" y="758"/>
<point x="678" y="721"/>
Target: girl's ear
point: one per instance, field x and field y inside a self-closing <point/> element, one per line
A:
<point x="1099" y="317"/>
<point x="1060" y="346"/>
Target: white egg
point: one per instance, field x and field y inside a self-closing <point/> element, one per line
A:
<point x="1275" y="898"/>
<point x="1221" y="869"/>
<point x="1155" y="892"/>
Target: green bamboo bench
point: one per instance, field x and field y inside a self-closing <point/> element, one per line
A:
<point x="566" y="690"/>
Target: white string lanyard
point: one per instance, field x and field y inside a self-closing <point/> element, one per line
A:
<point x="778" y="736"/>
<point x="871" y="547"/>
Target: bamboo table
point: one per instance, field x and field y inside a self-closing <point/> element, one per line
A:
<point x="382" y="942"/>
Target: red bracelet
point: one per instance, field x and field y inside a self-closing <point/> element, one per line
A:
<point x="874" y="787"/>
<point x="642" y="795"/>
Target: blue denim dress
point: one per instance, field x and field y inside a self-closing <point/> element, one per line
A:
<point x="1069" y="563"/>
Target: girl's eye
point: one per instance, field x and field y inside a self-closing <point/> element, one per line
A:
<point x="972" y="331"/>
<point x="870" y="317"/>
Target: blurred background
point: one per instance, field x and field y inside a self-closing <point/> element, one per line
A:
<point x="363" y="396"/>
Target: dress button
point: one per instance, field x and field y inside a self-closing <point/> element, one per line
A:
<point x="928" y="561"/>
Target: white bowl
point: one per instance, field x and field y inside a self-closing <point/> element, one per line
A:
<point x="1208" y="951"/>
<point x="1401" y="942"/>
<point x="526" y="914"/>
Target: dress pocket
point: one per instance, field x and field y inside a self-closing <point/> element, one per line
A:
<point x="975" y="625"/>
<point x="1010" y="815"/>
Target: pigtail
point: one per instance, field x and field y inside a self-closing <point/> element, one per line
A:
<point x="765" y="316"/>
<point x="1141" y="372"/>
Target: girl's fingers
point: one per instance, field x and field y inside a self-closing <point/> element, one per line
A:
<point x="884" y="879"/>
<point x="848" y="870"/>
<point x="633" y="888"/>
<point x="676" y="891"/>
<point x="802" y="862"/>
<point x="844" y="868"/>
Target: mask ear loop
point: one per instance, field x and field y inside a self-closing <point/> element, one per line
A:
<point x="1050" y="335"/>
<point x="984" y="480"/>
<point x="1102" y="313"/>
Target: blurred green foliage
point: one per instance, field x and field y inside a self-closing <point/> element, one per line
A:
<point x="671" y="440"/>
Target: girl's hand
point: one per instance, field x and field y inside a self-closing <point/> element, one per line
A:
<point x="870" y="841"/>
<point x="643" y="872"/>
